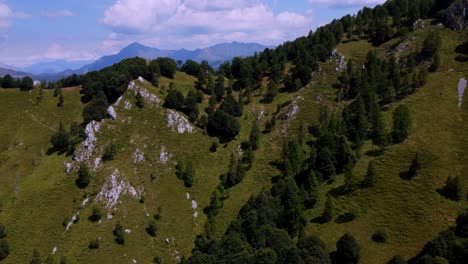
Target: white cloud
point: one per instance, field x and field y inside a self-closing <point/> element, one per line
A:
<point x="5" y="15"/>
<point x="138" y="15"/>
<point x="196" y="23"/>
<point x="347" y="3"/>
<point x="56" y="51"/>
<point x="58" y="13"/>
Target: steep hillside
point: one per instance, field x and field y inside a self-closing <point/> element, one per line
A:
<point x="271" y="159"/>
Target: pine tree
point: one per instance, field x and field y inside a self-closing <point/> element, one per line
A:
<point x="255" y="133"/>
<point x="272" y="91"/>
<point x="401" y="124"/>
<point x="415" y="167"/>
<point x="36" y="257"/>
<point x="348" y="250"/>
<point x="61" y="139"/>
<point x="210" y="86"/>
<point x="380" y="137"/>
<point x="4" y="249"/>
<point x="219" y="87"/>
<point x="329" y="211"/>
<point x="2" y="231"/>
<point x="371" y="175"/>
<point x="119" y="234"/>
<point x="40" y="96"/>
<point x="349" y="179"/>
<point x="452" y="189"/>
<point x="140" y="100"/>
<point x="152" y="229"/>
<point x="60" y="100"/>
<point x="84" y="176"/>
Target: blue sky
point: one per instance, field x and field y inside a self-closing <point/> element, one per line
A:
<point x="32" y="31"/>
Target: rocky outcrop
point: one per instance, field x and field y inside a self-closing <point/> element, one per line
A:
<point x="419" y="24"/>
<point x="138" y="156"/>
<point x="111" y="113"/>
<point x="116" y="186"/>
<point x="150" y="98"/>
<point x="461" y="90"/>
<point x="86" y="149"/>
<point x="340" y="61"/>
<point x="456" y="15"/>
<point x="164" y="156"/>
<point x="178" y="123"/>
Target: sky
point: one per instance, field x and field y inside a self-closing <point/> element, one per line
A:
<point x="33" y="31"/>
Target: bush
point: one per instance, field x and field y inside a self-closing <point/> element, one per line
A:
<point x="109" y="152"/>
<point x="462" y="225"/>
<point x="348" y="250"/>
<point x="152" y="229"/>
<point x="380" y="236"/>
<point x="174" y="100"/>
<point x="401" y="124"/>
<point x="96" y="215"/>
<point x="214" y="147"/>
<point x="223" y="126"/>
<point x="61" y="139"/>
<point x="83" y="176"/>
<point x="119" y="234"/>
<point x="2" y="231"/>
<point x="4" y="249"/>
<point x="140" y="100"/>
<point x="94" y="244"/>
<point x="452" y="189"/>
<point x="185" y="172"/>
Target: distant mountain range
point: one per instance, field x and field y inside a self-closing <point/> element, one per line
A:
<point x="214" y="55"/>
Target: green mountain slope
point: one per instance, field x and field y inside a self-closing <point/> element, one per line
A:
<point x="42" y="207"/>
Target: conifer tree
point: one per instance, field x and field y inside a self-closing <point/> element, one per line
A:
<point x="415" y="167"/>
<point x="371" y="175"/>
<point x="255" y="133"/>
<point x="329" y="211"/>
<point x="60" y="100"/>
<point x="219" y="87"/>
<point x="401" y="124"/>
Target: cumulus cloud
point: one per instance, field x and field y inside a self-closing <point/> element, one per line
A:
<point x="137" y="16"/>
<point x="196" y="23"/>
<point x="56" y="51"/>
<point x="347" y="3"/>
<point x="58" y="13"/>
<point x="5" y="15"/>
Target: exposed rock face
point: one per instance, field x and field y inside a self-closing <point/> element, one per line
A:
<point x="461" y="90"/>
<point x="340" y="61"/>
<point x="293" y="109"/>
<point x="75" y="216"/>
<point x="112" y="190"/>
<point x="111" y="113"/>
<point x="138" y="156"/>
<point x="150" y="98"/>
<point x="97" y="163"/>
<point x="164" y="156"/>
<point x="456" y="15"/>
<point x="85" y="151"/>
<point x="178" y="123"/>
<point x="68" y="167"/>
<point x="419" y="24"/>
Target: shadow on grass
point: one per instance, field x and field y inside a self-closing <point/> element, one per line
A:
<point x="319" y="220"/>
<point x="345" y="218"/>
<point x="374" y="153"/>
<point x="405" y="175"/>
